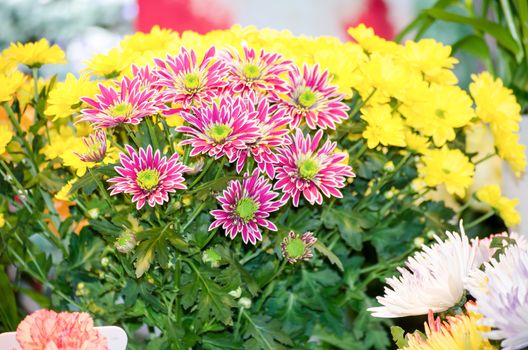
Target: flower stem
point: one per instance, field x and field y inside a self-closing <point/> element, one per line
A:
<point x="152" y="134"/>
<point x="101" y="188"/>
<point x="479" y="220"/>
<point x="202" y="173"/>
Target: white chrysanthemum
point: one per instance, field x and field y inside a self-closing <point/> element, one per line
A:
<point x="433" y="279"/>
<point x="501" y="293"/>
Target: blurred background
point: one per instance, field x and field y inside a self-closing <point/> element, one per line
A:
<point x="86" y="27"/>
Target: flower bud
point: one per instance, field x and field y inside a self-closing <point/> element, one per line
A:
<point x="126" y="242"/>
<point x="245" y="303"/>
<point x="296" y="248"/>
<point x="105" y="261"/>
<point x="236" y="293"/>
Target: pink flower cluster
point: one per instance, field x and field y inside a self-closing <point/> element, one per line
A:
<point x="244" y="106"/>
<point x="49" y="330"/>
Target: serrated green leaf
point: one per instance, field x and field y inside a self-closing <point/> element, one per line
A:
<point x="398" y="335"/>
<point x="263" y="333"/>
<point x="329" y="254"/>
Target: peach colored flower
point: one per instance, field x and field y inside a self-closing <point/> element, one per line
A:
<point x="49" y="330"/>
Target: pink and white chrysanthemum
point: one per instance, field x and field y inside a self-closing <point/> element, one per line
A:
<point x="246" y="207"/>
<point x="311" y="98"/>
<point x="147" y="77"/>
<point x="47" y="329"/>
<point x="127" y="103"/>
<point x="95" y="147"/>
<point x="186" y="82"/>
<point x="255" y="73"/>
<point x="306" y="169"/>
<point x="220" y="128"/>
<point x="147" y="176"/>
<point x="273" y="134"/>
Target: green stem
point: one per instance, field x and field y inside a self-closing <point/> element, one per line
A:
<point x="202" y="173"/>
<point x="152" y="134"/>
<point x="279" y="271"/>
<point x="101" y="188"/>
<point x="479" y="220"/>
<point x="358" y="154"/>
<point x="194" y="215"/>
<point x="167" y="135"/>
<point x="491" y="155"/>
<point x="211" y="235"/>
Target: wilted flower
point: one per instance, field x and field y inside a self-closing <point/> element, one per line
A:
<point x="188" y="82"/>
<point x="48" y="330"/>
<point x="147" y="176"/>
<point x="296" y="248"/>
<point x="255" y="73"/>
<point x="219" y="129"/>
<point x="95" y="147"/>
<point x="501" y="293"/>
<point x="310" y="97"/>
<point x="433" y="279"/>
<point x="129" y="104"/>
<point x="307" y="169"/>
<point x="126" y="242"/>
<point x="245" y="207"/>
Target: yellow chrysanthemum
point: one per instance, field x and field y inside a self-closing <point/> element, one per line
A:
<point x="495" y="103"/>
<point x="384" y="75"/>
<point x="60" y="141"/>
<point x="369" y="41"/>
<point x="512" y="151"/>
<point x="9" y="84"/>
<point x="6" y="65"/>
<point x="64" y="99"/>
<point x="5" y="137"/>
<point x="442" y="109"/>
<point x="416" y="142"/>
<point x="449" y="167"/>
<point x="492" y="196"/>
<point x="35" y="54"/>
<point x="2" y="220"/>
<point x="63" y="195"/>
<point x="26" y="92"/>
<point x="111" y="64"/>
<point x="459" y="332"/>
<point x="432" y="58"/>
<point x="157" y="39"/>
<point x="383" y="126"/>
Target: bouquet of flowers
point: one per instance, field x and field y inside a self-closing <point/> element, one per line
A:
<point x="242" y="188"/>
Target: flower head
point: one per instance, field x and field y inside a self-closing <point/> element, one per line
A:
<point x="5" y="137"/>
<point x="460" y="332"/>
<point x="384" y="127"/>
<point x="491" y="195"/>
<point x="65" y="98"/>
<point x="310" y="97"/>
<point x="46" y="329"/>
<point x="95" y="147"/>
<point x="9" y="84"/>
<point x="128" y="104"/>
<point x="255" y="73"/>
<point x="246" y="207"/>
<point x="306" y="169"/>
<point x="35" y="54"/>
<point x="433" y="279"/>
<point x="147" y="176"/>
<point x="447" y="166"/>
<point x="501" y="293"/>
<point x="187" y="82"/>
<point x="272" y="134"/>
<point x="297" y="248"/>
<point x="221" y="128"/>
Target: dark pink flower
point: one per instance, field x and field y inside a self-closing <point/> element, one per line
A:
<point x="126" y="103"/>
<point x="310" y="97"/>
<point x="255" y="73"/>
<point x="188" y="83"/>
<point x="220" y="129"/>
<point x="273" y="130"/>
<point x="148" y="177"/>
<point x="246" y="207"/>
<point x="48" y="330"/>
<point x="95" y="146"/>
<point x="307" y="169"/>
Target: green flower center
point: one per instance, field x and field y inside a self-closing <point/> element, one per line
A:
<point x="251" y="71"/>
<point x="440" y="113"/>
<point x="308" y="169"/>
<point x="295" y="248"/>
<point x="246" y="208"/>
<point x="121" y="109"/>
<point x="219" y="132"/>
<point x="307" y="98"/>
<point x="191" y="81"/>
<point x="148" y="179"/>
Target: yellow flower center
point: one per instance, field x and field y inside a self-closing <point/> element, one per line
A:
<point x="120" y="110"/>
<point x="307" y="98"/>
<point x="440" y="113"/>
<point x="308" y="169"/>
<point x="219" y="132"/>
<point x="147" y="179"/>
<point x="251" y="71"/>
<point x="191" y="81"/>
<point x="295" y="248"/>
<point x="246" y="208"/>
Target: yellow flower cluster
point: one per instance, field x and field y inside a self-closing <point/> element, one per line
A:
<point x="64" y="99"/>
<point x="505" y="207"/>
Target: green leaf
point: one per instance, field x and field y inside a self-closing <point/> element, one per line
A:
<point x="212" y="341"/>
<point x="473" y="44"/>
<point x="263" y="333"/>
<point x="398" y="335"/>
<point x="501" y="34"/>
<point x="348" y="226"/>
<point x="8" y="306"/>
<point x="329" y="254"/>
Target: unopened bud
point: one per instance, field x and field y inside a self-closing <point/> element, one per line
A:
<point x="126" y="242"/>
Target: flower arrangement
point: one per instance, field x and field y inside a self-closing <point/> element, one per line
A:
<point x="247" y="188"/>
